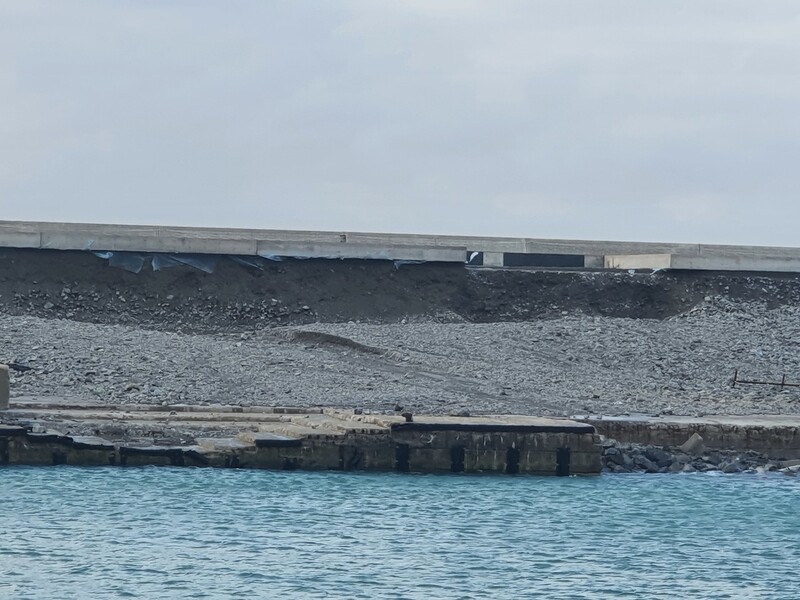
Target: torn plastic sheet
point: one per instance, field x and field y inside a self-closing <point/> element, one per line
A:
<point x="400" y="263"/>
<point x="130" y="261"/>
<point x="164" y="261"/>
<point x="274" y="257"/>
<point x="248" y="261"/>
<point x="134" y="262"/>
<point x="204" y="263"/>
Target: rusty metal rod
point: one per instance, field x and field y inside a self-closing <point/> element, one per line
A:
<point x="782" y="383"/>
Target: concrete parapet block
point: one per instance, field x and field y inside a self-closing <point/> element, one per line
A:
<point x="493" y="259"/>
<point x="591" y="261"/>
<point x="715" y="260"/>
<point x="638" y="261"/>
<point x="5" y="392"/>
<point x="343" y="250"/>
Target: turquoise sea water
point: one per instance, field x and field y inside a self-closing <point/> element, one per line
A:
<point x="151" y="533"/>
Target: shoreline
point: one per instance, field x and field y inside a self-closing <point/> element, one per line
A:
<point x="155" y="352"/>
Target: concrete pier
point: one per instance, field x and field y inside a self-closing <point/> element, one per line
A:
<point x="53" y="431"/>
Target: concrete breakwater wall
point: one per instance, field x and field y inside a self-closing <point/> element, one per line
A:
<point x="486" y="251"/>
<point x="227" y="437"/>
<point x="774" y="436"/>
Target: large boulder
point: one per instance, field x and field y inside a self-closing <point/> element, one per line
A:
<point x="694" y="445"/>
<point x="614" y="455"/>
<point x="658" y="455"/>
<point x="730" y="467"/>
<point x="645" y="464"/>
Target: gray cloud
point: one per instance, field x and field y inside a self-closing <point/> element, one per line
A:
<point x="625" y="120"/>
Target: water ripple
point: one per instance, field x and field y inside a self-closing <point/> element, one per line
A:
<point x="200" y="533"/>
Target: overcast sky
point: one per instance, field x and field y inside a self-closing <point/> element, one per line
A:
<point x="635" y="120"/>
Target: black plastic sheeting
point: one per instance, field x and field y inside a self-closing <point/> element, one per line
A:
<point x="518" y="259"/>
<point x="135" y="262"/>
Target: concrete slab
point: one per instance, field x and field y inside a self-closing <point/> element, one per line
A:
<point x="737" y="420"/>
<point x="493" y="259"/>
<point x="59" y="402"/>
<point x="295" y="430"/>
<point x="222" y="444"/>
<point x="638" y="261"/>
<point x="713" y="261"/>
<point x="101" y="414"/>
<point x="456" y="254"/>
<point x="760" y="263"/>
<point x="480" y="422"/>
<point x="488" y="426"/>
<point x="347" y="425"/>
<point x="264" y="439"/>
<point x="11" y="430"/>
<point x="91" y="442"/>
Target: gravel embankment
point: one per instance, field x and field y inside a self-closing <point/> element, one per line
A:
<point x="572" y="364"/>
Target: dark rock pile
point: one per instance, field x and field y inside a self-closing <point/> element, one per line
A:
<point x="690" y="457"/>
<point x="79" y="286"/>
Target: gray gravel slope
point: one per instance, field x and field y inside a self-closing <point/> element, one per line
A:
<point x="562" y="366"/>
